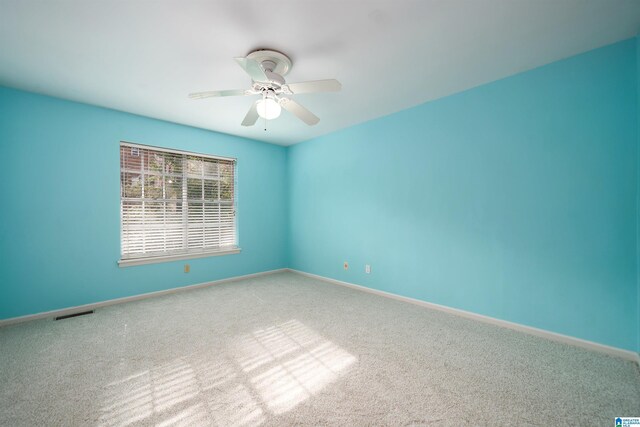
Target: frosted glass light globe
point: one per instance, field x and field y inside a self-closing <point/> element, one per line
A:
<point x="268" y="109"/>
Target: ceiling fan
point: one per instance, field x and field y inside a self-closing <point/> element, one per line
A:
<point x="266" y="69"/>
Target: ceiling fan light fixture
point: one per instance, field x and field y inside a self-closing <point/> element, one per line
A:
<point x="268" y="109"/>
<point x="266" y="69"/>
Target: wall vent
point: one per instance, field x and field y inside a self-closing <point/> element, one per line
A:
<point x="66" y="316"/>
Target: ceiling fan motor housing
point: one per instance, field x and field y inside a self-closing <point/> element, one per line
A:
<point x="275" y="78"/>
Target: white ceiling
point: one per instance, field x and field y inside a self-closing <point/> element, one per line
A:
<point x="145" y="56"/>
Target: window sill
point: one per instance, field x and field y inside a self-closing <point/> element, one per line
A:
<point x="167" y="258"/>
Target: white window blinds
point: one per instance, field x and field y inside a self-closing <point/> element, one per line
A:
<point x="174" y="203"/>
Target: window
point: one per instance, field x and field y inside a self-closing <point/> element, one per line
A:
<point x="175" y="205"/>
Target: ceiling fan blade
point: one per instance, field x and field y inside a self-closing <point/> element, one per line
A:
<point x="330" y="85"/>
<point x="214" y="93"/>
<point x="253" y="68"/>
<point x="252" y="115"/>
<point x="299" y="111"/>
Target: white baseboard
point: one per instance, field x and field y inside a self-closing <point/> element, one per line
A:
<point x="93" y="306"/>
<point x="589" y="345"/>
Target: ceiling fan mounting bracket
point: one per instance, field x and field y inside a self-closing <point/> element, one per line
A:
<point x="271" y="60"/>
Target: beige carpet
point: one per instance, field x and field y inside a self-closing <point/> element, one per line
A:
<point x="285" y="350"/>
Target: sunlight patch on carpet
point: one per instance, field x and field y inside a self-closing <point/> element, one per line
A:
<point x="270" y="370"/>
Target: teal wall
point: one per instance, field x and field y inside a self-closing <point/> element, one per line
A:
<point x="638" y="192"/>
<point x="60" y="220"/>
<point x="515" y="199"/>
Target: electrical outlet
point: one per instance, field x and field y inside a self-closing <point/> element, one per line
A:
<point x="187" y="268"/>
<point x="367" y="269"/>
<point x="346" y="265"/>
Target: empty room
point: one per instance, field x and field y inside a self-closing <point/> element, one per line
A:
<point x="320" y="213"/>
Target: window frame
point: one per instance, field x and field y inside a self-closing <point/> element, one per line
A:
<point x="188" y="254"/>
